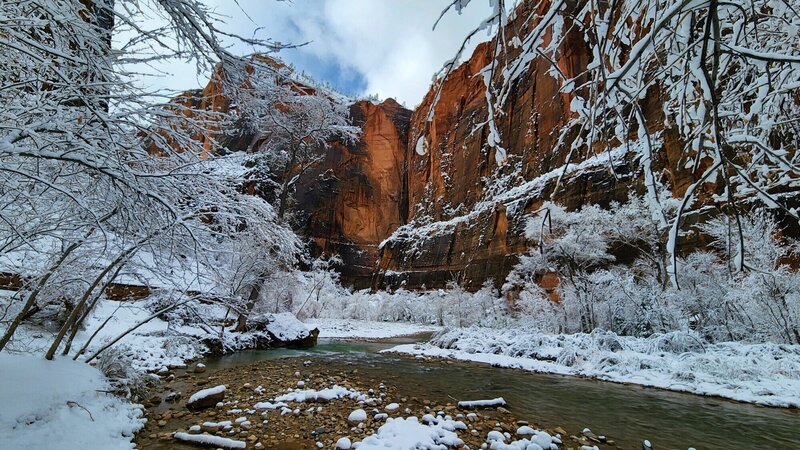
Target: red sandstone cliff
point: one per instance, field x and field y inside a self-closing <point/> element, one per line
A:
<point x="351" y="200"/>
<point x="449" y="212"/>
<point x="467" y="214"/>
<point x="356" y="197"/>
<point x="468" y="227"/>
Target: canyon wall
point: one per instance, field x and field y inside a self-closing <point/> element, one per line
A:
<point x="357" y="195"/>
<point x="420" y="199"/>
<point x="466" y="213"/>
<point x="449" y="212"/>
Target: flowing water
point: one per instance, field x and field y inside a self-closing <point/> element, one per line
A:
<point x="625" y="413"/>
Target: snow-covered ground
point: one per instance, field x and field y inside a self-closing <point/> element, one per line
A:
<point x="766" y="374"/>
<point x="158" y="343"/>
<point x="61" y="404"/>
<point x="364" y="329"/>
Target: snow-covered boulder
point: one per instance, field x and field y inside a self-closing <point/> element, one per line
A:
<point x="358" y="415"/>
<point x="284" y="330"/>
<point x="206" y="398"/>
<point x="491" y="403"/>
<point x="208" y="440"/>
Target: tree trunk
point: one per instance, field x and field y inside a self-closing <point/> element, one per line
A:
<point x="79" y="323"/>
<point x="76" y="312"/>
<point x="287" y="177"/>
<point x="32" y="298"/>
<point x="255" y="293"/>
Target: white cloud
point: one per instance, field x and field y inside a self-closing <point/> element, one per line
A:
<point x="390" y="44"/>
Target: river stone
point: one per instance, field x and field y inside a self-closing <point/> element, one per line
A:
<point x="591" y="436"/>
<point x="207" y="401"/>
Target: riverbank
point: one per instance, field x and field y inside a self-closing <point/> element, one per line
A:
<point x="251" y="412"/>
<point x="365" y="329"/>
<point x="764" y="374"/>
<point x="61" y="404"/>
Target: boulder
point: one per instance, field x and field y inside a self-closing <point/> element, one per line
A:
<point x="206" y="398"/>
<point x="283" y="329"/>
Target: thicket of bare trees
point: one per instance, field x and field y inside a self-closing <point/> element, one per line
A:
<point x="99" y="182"/>
<point x="719" y="80"/>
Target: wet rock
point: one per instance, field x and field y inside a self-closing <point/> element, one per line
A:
<point x="591" y="436"/>
<point x="206" y="398"/>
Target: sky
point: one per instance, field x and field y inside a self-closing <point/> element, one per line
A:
<point x="361" y="47"/>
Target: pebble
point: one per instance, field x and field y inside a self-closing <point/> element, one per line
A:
<point x="329" y="425"/>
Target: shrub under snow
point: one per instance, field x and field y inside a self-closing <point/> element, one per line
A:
<point x="706" y="293"/>
<point x="768" y="373"/>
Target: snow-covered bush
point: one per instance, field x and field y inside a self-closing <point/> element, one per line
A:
<point x="318" y="294"/>
<point x="763" y="373"/>
<point x="599" y="291"/>
<point x="124" y="378"/>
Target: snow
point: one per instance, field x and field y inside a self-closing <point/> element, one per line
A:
<point x="207" y="439"/>
<point x="269" y="405"/>
<point x="159" y="343"/>
<point x="392" y="407"/>
<point x="344" y="444"/>
<point x="525" y="431"/>
<point x="286" y="327"/>
<point x="499" y="401"/>
<point x="312" y="395"/>
<point x="199" y="395"/>
<point x="408" y="433"/>
<point x="61" y="401"/>
<point x="513" y="195"/>
<point x="359" y="415"/>
<point x="539" y="441"/>
<point x="361" y="329"/>
<point x="422" y="146"/>
<point x="766" y="374"/>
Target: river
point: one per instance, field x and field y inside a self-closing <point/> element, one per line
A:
<point x="625" y="413"/>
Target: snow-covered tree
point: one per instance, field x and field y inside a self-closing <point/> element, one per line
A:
<point x="292" y="123"/>
<point x="98" y="180"/>
<point x="609" y="264"/>
<point x="720" y="78"/>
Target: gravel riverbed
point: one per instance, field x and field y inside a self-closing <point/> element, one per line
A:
<point x="310" y="424"/>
